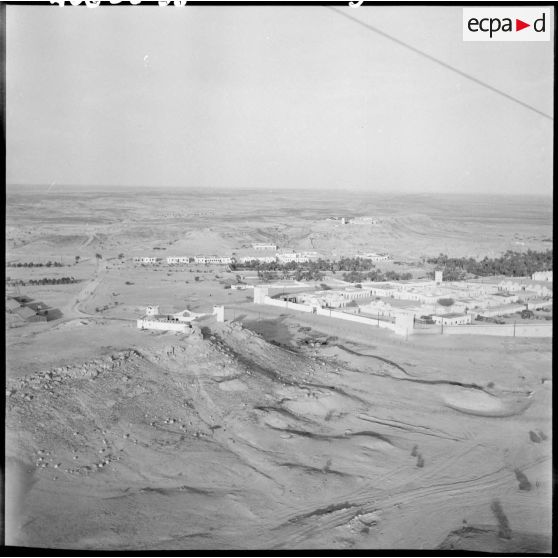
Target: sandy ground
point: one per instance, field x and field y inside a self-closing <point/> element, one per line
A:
<point x="273" y="430"/>
<point x="224" y="440"/>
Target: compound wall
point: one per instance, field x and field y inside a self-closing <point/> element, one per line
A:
<point x="506" y="330"/>
<point x="163" y="326"/>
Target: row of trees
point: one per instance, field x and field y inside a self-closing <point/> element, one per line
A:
<point x="32" y="264"/>
<point x="511" y="264"/>
<point x="43" y="281"/>
<point x="376" y="275"/>
<point x="298" y="275"/>
<point x="343" y="264"/>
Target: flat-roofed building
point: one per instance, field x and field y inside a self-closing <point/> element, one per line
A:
<point x="452" y="319"/>
<point x="264" y="246"/>
<point x="542" y="276"/>
<point x="288" y="257"/>
<point x="373" y="256"/>
<point x="173" y="260"/>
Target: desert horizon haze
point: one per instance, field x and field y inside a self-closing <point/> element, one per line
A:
<point x="272" y="97"/>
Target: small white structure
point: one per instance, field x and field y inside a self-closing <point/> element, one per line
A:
<point x="452" y="319"/>
<point x="404" y="324"/>
<point x="179" y="321"/>
<point x="261" y="259"/>
<point x="373" y="256"/>
<point x="163" y="324"/>
<point x="438" y="277"/>
<point x="260" y="292"/>
<point x="542" y="276"/>
<point x="173" y="260"/>
<point x="219" y="313"/>
<point x="213" y="260"/>
<point x="287" y="257"/>
<point x="263" y="246"/>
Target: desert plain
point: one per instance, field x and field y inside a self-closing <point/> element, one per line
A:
<point x="274" y="429"/>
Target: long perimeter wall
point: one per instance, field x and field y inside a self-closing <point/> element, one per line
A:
<point x="505" y="330"/>
<point x="326" y="312"/>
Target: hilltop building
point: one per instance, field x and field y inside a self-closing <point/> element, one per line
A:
<point x="373" y="256"/>
<point x="263" y="246"/>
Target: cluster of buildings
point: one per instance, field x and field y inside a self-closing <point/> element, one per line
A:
<point x="262" y="253"/>
<point x="180" y="322"/>
<point x="154" y="318"/>
<point x="453" y="303"/>
<point x="364" y="220"/>
<point x="542" y="276"/>
<point x="22" y="309"/>
<point x="174" y="260"/>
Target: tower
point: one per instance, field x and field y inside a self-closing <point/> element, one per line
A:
<point x="260" y="293"/>
<point x="438" y="277"/>
<point x="219" y="313"/>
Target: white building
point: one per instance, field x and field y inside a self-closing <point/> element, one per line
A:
<point x="452" y="319"/>
<point x="146" y="260"/>
<point x="261" y="259"/>
<point x="525" y="286"/>
<point x="221" y="260"/>
<point x="179" y="321"/>
<point x="373" y="256"/>
<point x="309" y="254"/>
<point x="542" y="276"/>
<point x="263" y="246"/>
<point x="172" y="260"/>
<point x="287" y="257"/>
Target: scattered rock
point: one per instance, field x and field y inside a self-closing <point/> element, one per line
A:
<point x="534" y="437"/>
<point x="524" y="483"/>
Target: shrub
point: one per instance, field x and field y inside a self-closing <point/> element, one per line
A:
<point x="503" y="523"/>
<point x="524" y="483"/>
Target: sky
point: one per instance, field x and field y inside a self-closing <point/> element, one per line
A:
<point x="272" y="97"/>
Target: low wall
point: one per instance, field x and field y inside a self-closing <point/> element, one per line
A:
<point x="327" y="312"/>
<point x="163" y="326"/>
<point x="505" y="330"/>
<point x="285" y="304"/>
<point x="354" y="318"/>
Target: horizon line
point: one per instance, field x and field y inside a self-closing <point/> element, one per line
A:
<point x="99" y="187"/>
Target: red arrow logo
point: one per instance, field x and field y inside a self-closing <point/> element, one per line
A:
<point x="519" y="25"/>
